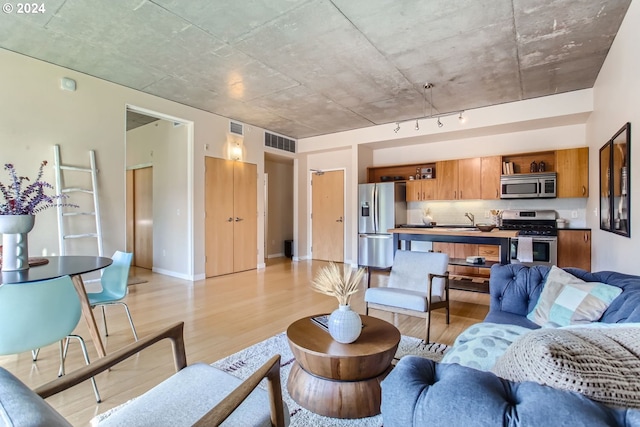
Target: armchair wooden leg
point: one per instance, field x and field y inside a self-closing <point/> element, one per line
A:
<point x="428" y="325"/>
<point x="447" y="312"/>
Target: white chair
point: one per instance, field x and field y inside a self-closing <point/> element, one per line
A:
<point x="418" y="284"/>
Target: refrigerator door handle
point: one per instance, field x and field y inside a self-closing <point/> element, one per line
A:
<point x="375" y="209"/>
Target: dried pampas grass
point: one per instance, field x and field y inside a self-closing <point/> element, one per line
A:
<point x="340" y="284"/>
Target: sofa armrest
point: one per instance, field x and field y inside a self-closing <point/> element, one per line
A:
<point x="173" y="333"/>
<point x="419" y="391"/>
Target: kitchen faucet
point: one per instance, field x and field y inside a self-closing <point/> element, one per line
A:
<point x="471" y="217"/>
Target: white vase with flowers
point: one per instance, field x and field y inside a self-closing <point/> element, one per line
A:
<point x="17" y="215"/>
<point x="345" y="324"/>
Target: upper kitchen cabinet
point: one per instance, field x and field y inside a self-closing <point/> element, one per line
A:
<point x="572" y="167"/>
<point x="491" y="169"/>
<point x="420" y="190"/>
<point x="469" y="178"/>
<point x="447" y="178"/>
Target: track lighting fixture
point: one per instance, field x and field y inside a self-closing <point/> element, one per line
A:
<point x="430" y="86"/>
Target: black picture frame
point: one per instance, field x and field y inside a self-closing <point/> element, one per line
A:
<point x="615" y="183"/>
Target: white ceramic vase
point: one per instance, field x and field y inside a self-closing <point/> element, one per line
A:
<point x="15" y="242"/>
<point x="345" y="325"/>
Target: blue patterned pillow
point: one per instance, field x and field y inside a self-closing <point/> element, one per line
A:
<point x="482" y="344"/>
<point x="566" y="300"/>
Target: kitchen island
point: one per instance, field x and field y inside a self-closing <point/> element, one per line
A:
<point x="501" y="238"/>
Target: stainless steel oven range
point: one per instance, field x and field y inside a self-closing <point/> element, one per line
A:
<point x="541" y="234"/>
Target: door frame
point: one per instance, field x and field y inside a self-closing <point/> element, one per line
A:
<point x="190" y="183"/>
<point x="310" y="209"/>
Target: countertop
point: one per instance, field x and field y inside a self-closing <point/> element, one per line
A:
<point x="453" y="232"/>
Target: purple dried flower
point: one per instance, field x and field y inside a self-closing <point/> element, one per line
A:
<point x="30" y="200"/>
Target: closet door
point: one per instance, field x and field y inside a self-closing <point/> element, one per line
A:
<point x="245" y="207"/>
<point x="219" y="217"/>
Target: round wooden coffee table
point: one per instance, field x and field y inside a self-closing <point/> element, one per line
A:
<point x="340" y="380"/>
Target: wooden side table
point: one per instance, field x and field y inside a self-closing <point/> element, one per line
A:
<point x="340" y="380"/>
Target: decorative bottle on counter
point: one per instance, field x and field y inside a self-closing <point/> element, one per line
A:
<point x="417" y="173"/>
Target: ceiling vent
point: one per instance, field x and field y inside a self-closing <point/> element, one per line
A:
<point x="236" y="128"/>
<point x="279" y="142"/>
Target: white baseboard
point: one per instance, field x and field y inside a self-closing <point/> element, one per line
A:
<point x="262" y="266"/>
<point x="178" y="275"/>
<point x="275" y="255"/>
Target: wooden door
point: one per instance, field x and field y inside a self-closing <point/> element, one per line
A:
<point x="447" y="177"/>
<point x="572" y="167"/>
<point x="491" y="169"/>
<point x="219" y="217"/>
<point x="245" y="214"/>
<point x="327" y="229"/>
<point x="574" y="249"/>
<point x="143" y="217"/>
<point x="469" y="179"/>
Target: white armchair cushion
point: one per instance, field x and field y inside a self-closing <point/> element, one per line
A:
<point x="401" y="298"/>
<point x="187" y="396"/>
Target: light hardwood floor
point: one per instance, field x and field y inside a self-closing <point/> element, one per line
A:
<point x="222" y="315"/>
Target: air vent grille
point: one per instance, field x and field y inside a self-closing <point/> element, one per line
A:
<point x="236" y="128"/>
<point x="279" y="142"/>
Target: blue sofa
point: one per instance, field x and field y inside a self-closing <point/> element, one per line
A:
<point x="421" y="392"/>
<point x="516" y="288"/>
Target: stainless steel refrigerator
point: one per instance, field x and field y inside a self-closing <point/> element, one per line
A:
<point x="381" y="206"/>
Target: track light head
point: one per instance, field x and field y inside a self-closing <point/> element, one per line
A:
<point x="417" y="125"/>
<point x="440" y="124"/>
<point x="397" y="127"/>
<point x="462" y="118"/>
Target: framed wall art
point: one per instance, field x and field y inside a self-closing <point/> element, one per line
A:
<point x="615" y="182"/>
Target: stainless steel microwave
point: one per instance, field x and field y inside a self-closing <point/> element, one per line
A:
<point x="528" y="186"/>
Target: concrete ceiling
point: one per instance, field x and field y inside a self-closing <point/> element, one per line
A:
<point x="310" y="67"/>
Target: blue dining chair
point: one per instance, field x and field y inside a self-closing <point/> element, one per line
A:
<point x="114" y="288"/>
<point x="37" y="314"/>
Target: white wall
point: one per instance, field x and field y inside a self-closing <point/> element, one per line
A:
<point x="164" y="146"/>
<point x="36" y="114"/>
<point x="616" y="95"/>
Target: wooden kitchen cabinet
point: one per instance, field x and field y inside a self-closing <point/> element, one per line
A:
<point x="491" y="169"/>
<point x="447" y="178"/>
<point x="572" y="167"/>
<point x="469" y="178"/>
<point x="574" y="249"/>
<point x="421" y="189"/>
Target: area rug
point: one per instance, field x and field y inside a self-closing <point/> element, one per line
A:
<point x="245" y="362"/>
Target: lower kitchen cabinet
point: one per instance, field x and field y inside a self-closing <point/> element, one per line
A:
<point x="574" y="249"/>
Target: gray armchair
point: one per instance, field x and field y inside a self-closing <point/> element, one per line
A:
<point x="418" y="284"/>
